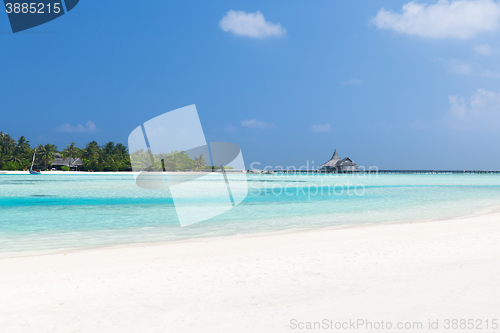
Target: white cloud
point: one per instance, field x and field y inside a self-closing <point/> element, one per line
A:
<point x="456" y="66"/>
<point x="483" y="106"/>
<point x="445" y="19"/>
<point x="486" y="50"/>
<point x="490" y="74"/>
<point x="250" y="24"/>
<point x="353" y="82"/>
<point x="321" y="128"/>
<point x="254" y="123"/>
<point x="89" y="127"/>
<point x="459" y="67"/>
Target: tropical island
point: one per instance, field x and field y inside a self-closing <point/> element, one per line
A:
<point x="17" y="155"/>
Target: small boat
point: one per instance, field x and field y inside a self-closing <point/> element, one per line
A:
<point x="31" y="168"/>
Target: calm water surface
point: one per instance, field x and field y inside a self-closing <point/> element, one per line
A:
<point x="47" y="213"/>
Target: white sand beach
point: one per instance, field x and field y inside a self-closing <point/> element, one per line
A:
<point x="395" y="273"/>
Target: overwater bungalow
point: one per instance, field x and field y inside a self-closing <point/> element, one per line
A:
<point x="335" y="164"/>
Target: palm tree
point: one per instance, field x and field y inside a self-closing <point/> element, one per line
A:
<point x="22" y="153"/>
<point x="23" y="145"/>
<point x="199" y="162"/>
<point x="122" y="157"/>
<point x="71" y="151"/>
<point x="17" y="155"/>
<point x="47" y="154"/>
<point x="120" y="149"/>
<point x="172" y="162"/>
<point x="7" y="145"/>
<point x="108" y="157"/>
<point x="91" y="156"/>
<point x="141" y="158"/>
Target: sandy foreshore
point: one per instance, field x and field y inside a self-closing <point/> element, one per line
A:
<point x="402" y="274"/>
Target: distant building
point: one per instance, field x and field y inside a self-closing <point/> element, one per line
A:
<point x="72" y="163"/>
<point x="335" y="164"/>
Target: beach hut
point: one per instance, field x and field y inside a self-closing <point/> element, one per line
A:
<point x="72" y="163"/>
<point x="335" y="164"/>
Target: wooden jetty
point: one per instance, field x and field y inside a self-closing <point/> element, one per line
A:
<point x="392" y="172"/>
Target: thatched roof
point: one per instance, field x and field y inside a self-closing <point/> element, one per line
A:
<point x="346" y="161"/>
<point x="336" y="162"/>
<point x="333" y="161"/>
<point x="66" y="161"/>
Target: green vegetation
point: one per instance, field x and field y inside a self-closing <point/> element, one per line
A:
<point x="17" y="155"/>
<point x="46" y="154"/>
<point x="173" y="161"/>
<point x="218" y="167"/>
<point x="14" y="155"/>
<point x="71" y="151"/>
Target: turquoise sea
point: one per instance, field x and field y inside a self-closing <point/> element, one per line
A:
<point x="53" y="213"/>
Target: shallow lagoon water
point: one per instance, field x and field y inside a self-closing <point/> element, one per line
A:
<point x="52" y="213"/>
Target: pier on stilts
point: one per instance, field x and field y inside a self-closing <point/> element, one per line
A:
<point x="391" y="172"/>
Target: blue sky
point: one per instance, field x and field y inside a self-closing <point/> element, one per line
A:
<point x="412" y="88"/>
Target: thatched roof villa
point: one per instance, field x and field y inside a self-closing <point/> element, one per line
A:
<point x="335" y="164"/>
<point x="72" y="163"/>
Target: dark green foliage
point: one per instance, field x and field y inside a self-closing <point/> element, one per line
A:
<point x="109" y="157"/>
<point x="45" y="155"/>
<point x="72" y="152"/>
<point x="14" y="155"/>
<point x="18" y="155"/>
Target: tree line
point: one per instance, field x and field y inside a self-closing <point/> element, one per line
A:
<point x="17" y="155"/>
<point x="173" y="161"/>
